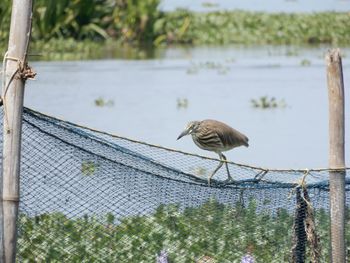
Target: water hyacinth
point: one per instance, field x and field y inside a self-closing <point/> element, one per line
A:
<point x="143" y="22"/>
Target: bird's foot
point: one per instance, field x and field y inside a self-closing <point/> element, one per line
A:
<point x="209" y="179"/>
<point x="229" y="180"/>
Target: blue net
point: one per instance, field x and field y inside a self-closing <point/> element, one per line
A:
<point x="88" y="196"/>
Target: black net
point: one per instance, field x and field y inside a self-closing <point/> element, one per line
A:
<point x="88" y="196"/>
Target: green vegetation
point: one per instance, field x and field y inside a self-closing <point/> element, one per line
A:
<point x="258" y="28"/>
<point x="265" y="102"/>
<point x="5" y="18"/>
<point x="70" y="49"/>
<point x="305" y="62"/>
<point x="182" y="103"/>
<point x="78" y="29"/>
<point x="220" y="68"/>
<point x="88" y="167"/>
<point x="215" y="230"/>
<point x="89" y="25"/>
<point x="210" y="4"/>
<point x="101" y="102"/>
<point x="127" y="20"/>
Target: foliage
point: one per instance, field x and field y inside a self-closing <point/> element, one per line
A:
<point x="174" y="27"/>
<point x="219" y="67"/>
<point x="88" y="25"/>
<point x="305" y="62"/>
<point x="265" y="102"/>
<point x="228" y="27"/>
<point x="70" y="49"/>
<point x="133" y="20"/>
<point x="65" y="49"/>
<point x="214" y="230"/>
<point x="88" y="168"/>
<point x="140" y="22"/>
<point x="78" y="19"/>
<point x="101" y="102"/>
<point x="127" y="20"/>
<point x="5" y="18"/>
<point x="182" y="103"/>
<point x="210" y="4"/>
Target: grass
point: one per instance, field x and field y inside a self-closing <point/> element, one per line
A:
<point x="211" y="230"/>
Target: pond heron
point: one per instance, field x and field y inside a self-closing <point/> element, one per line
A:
<point x="215" y="136"/>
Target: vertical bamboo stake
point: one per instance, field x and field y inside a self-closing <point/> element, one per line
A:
<point x="336" y="154"/>
<point x="13" y="93"/>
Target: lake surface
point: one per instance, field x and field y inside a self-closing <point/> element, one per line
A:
<point x="217" y="83"/>
<point x="259" y="5"/>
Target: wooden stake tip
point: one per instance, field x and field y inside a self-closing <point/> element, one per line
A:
<point x="333" y="56"/>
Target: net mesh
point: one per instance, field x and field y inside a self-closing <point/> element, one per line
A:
<point x="87" y="196"/>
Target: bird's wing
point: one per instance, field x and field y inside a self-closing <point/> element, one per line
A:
<point x="209" y="139"/>
<point x="229" y="136"/>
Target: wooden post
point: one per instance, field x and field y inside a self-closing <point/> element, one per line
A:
<point x="336" y="154"/>
<point x="13" y="93"/>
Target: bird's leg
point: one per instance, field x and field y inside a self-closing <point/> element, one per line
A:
<point x="217" y="168"/>
<point x="229" y="177"/>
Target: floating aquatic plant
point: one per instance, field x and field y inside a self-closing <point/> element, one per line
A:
<point x="210" y="4"/>
<point x="305" y="62"/>
<point x="219" y="67"/>
<point x="265" y="102"/>
<point x="100" y="102"/>
<point x="182" y="103"/>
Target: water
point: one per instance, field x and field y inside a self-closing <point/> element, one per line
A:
<point x="145" y="94"/>
<point x="259" y="5"/>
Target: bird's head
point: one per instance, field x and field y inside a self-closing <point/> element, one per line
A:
<point x="191" y="128"/>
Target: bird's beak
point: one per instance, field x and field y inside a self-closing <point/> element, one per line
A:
<point x="185" y="132"/>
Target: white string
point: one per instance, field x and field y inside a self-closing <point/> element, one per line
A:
<point x="5" y="85"/>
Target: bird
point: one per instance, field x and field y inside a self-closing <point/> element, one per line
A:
<point x="215" y="136"/>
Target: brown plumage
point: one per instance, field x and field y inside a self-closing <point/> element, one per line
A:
<point x="215" y="136"/>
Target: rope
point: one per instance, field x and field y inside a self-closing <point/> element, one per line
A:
<point x="23" y="70"/>
<point x="10" y="198"/>
<point x="259" y="176"/>
<point x="302" y="185"/>
<point x="6" y="86"/>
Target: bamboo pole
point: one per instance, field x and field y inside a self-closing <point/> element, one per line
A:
<point x="336" y="154"/>
<point x="16" y="73"/>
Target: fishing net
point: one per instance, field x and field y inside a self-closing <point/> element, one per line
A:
<point x="88" y="196"/>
